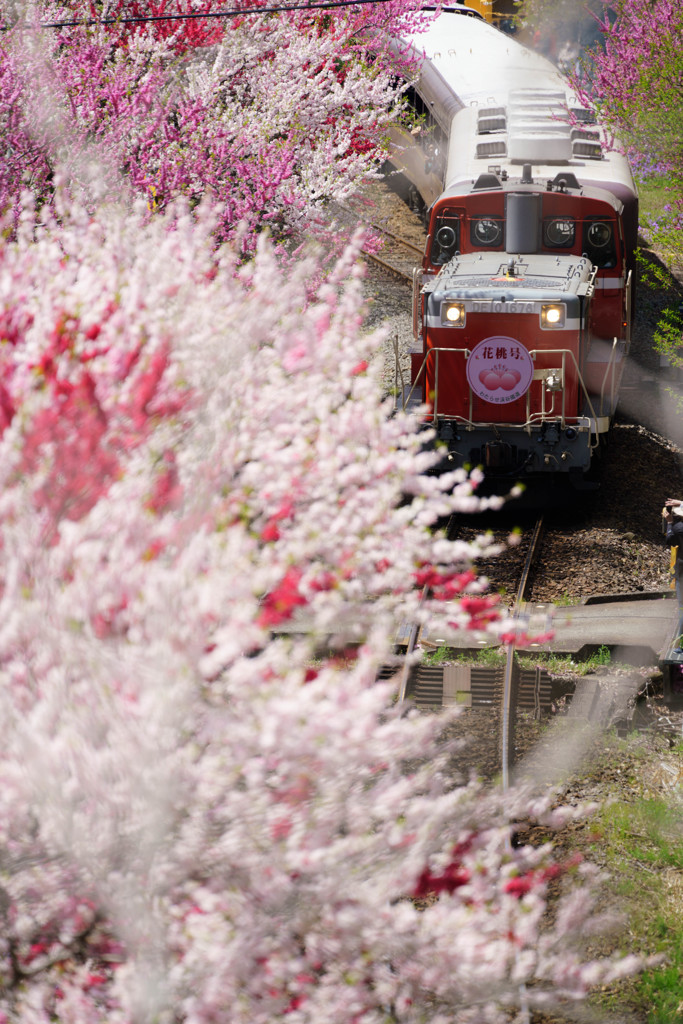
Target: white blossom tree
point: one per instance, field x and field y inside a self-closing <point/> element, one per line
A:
<point x="267" y="117"/>
<point x="210" y="526"/>
<point x="204" y="818"/>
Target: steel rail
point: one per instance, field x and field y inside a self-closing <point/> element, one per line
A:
<point x="412" y="641"/>
<point x="385" y="231"/>
<point x="414" y="627"/>
<point x="520" y="598"/>
<point x="397" y="238"/>
<point x="388" y="267"/>
<point x="507" y="699"/>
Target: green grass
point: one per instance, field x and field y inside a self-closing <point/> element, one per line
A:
<point x="642" y="843"/>
<point x="491" y="656"/>
<point x="563" y="664"/>
<point x="659" y="290"/>
<point x="438" y="657"/>
<point x="651" y="829"/>
<point x="653" y="196"/>
<point x="557" y="664"/>
<point x="603" y="656"/>
<point x="487" y="656"/>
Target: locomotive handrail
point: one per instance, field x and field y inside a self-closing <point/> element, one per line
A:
<point x="399" y="369"/>
<point x="406" y="399"/>
<point x="531" y="417"/>
<point x="543" y="413"/>
<point x="579" y="376"/>
<point x="417" y="284"/>
<point x="627" y="313"/>
<point x="564" y="352"/>
<point x="613" y="354"/>
<point x="611" y="362"/>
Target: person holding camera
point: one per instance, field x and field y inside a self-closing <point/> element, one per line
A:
<point x="672" y="515"/>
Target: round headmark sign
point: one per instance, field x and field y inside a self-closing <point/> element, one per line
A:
<point x="499" y="370"/>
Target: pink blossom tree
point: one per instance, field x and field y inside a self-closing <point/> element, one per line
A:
<point x="636" y="83"/>
<point x="633" y="77"/>
<point x="210" y="525"/>
<point x="268" y="116"/>
<point x="210" y="810"/>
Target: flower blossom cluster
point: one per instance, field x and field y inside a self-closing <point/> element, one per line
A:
<point x="268" y="117"/>
<point x="210" y="525"/>
<point x="634" y="80"/>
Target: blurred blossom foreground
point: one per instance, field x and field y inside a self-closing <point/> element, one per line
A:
<point x="198" y="821"/>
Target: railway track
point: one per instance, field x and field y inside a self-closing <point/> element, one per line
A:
<point x="399" y="255"/>
<point x="493" y="693"/>
<point x="389" y="268"/>
<point x="508" y="710"/>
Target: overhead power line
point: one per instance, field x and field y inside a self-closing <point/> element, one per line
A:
<point x="90" y="22"/>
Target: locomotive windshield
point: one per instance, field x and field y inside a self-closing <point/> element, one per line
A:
<point x="559" y="233"/>
<point x="599" y="242"/>
<point x="486" y="231"/>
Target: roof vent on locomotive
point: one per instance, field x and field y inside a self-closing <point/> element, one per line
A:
<point x="522" y="307"/>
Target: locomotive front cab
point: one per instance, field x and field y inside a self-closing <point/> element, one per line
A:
<point x="505" y="339"/>
<point x="520" y="324"/>
<point x="500" y="215"/>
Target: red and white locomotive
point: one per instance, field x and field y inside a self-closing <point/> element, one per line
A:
<point x="522" y="306"/>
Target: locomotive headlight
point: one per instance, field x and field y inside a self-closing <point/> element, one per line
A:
<point x="453" y="314"/>
<point x="552" y="316"/>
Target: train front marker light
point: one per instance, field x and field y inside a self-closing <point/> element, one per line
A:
<point x="453" y="314"/>
<point x="552" y="316"/>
